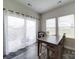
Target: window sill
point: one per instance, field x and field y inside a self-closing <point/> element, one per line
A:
<point x="70" y="38"/>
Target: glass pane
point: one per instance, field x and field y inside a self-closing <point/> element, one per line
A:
<point x="51" y="26"/>
<point x="30" y="31"/>
<point x="15" y="33"/>
<point x="66" y="25"/>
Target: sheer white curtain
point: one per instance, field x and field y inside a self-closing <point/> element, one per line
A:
<point x="30" y="30"/>
<point x="14" y="30"/>
<point x="15" y="33"/>
<point x="5" y="31"/>
<point x="19" y="31"/>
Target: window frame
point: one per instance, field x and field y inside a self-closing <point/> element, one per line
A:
<point x="74" y="25"/>
<point x="57" y="25"/>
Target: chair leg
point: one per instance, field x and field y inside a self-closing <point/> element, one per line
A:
<point x="47" y="53"/>
<point x="38" y="47"/>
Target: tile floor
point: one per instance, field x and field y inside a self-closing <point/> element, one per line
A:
<point x="31" y="53"/>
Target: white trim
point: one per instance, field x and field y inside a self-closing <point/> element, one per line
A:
<point x="69" y="47"/>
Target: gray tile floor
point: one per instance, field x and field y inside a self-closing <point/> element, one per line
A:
<point x="26" y="53"/>
<point x="31" y="53"/>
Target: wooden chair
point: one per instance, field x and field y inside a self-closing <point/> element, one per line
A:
<point x="42" y="48"/>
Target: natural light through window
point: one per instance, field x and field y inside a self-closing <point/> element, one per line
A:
<point x="66" y="25"/>
<point x="15" y="33"/>
<point x="31" y="30"/>
<point x="15" y="22"/>
<point x="51" y="26"/>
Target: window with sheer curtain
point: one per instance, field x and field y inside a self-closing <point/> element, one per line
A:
<point x="30" y="31"/>
<point x="15" y="33"/>
<point x="19" y="32"/>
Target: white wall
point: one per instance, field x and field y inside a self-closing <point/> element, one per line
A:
<point x="60" y="11"/>
<point x="15" y="6"/>
<point x="69" y="43"/>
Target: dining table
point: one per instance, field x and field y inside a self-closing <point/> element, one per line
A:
<point x="52" y="43"/>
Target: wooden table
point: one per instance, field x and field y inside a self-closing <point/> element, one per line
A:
<point x="54" y="44"/>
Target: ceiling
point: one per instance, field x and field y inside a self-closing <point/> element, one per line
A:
<point x="42" y="6"/>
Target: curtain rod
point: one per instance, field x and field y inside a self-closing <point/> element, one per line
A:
<point x="21" y="13"/>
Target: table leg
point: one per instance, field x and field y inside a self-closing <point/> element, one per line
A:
<point x="38" y="47"/>
<point x="47" y="53"/>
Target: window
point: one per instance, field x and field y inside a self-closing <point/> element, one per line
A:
<point x="66" y="25"/>
<point x="15" y="33"/>
<point x="19" y="31"/>
<point x="51" y="26"/>
<point x="30" y="31"/>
